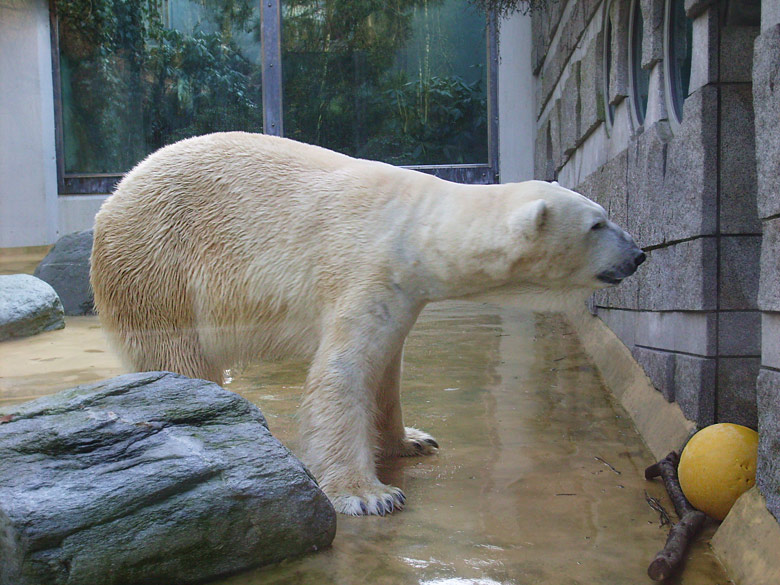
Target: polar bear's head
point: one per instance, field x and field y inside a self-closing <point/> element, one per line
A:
<point x="566" y="240"/>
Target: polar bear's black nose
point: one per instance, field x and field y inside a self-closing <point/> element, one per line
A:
<point x="639" y="258"/>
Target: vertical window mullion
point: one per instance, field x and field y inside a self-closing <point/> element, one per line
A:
<point x="271" y="34"/>
<point x="492" y="95"/>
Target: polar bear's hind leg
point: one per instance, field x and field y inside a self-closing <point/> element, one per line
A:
<point x="177" y="351"/>
<point x="396" y="440"/>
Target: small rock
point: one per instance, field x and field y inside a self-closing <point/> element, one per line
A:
<point x="66" y="268"/>
<point x="149" y="478"/>
<point x="28" y="306"/>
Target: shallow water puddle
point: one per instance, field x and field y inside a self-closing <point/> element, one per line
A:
<point x="539" y="479"/>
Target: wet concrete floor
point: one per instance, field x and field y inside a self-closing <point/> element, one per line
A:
<point x="539" y="479"/>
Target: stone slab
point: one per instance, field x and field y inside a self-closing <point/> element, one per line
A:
<point x="659" y="367"/>
<point x="591" y="88"/>
<point x="766" y="96"/>
<point x="149" y="478"/>
<point x="739" y="272"/>
<point x="695" y="387"/>
<point x="570" y="111"/>
<point x="748" y="540"/>
<point x="738" y="185"/>
<point x="737" y="390"/>
<point x="769" y="278"/>
<point x="607" y="187"/>
<point x="770" y="14"/>
<point x="694" y="8"/>
<point x="621" y="323"/>
<point x="653" y="37"/>
<point x="686" y="332"/>
<point x="768" y="471"/>
<point x="543" y="157"/>
<point x="646" y="191"/>
<point x="691" y="172"/>
<point x="680" y="277"/>
<point x="770" y="340"/>
<point x="739" y="333"/>
<point x="656" y="114"/>
<point x="619" y="12"/>
<point x="736" y="53"/>
<point x="704" y="60"/>
<point x="555" y="150"/>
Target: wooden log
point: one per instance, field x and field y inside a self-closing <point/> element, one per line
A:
<point x="669" y="559"/>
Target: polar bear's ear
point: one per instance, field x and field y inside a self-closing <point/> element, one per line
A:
<point x="529" y="219"/>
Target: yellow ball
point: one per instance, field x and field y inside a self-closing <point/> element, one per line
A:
<point x="717" y="466"/>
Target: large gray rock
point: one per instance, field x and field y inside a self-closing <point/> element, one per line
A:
<point x="28" y="306"/>
<point x="149" y="478"/>
<point x="66" y="269"/>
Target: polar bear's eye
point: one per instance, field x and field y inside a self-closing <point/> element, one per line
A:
<point x="599" y="225"/>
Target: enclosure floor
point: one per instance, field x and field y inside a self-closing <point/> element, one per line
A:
<point x="539" y="479"/>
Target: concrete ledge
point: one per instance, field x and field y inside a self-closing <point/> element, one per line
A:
<point x="660" y="423"/>
<point x="748" y="541"/>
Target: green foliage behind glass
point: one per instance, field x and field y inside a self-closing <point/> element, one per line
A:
<point x="131" y="84"/>
<point x="344" y="86"/>
<point x="137" y="75"/>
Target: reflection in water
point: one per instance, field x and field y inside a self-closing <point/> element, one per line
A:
<point x="539" y="479"/>
<point x="459" y="581"/>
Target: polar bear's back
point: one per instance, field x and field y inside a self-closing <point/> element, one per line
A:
<point x="233" y="238"/>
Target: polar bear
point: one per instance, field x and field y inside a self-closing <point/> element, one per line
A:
<point x="220" y="249"/>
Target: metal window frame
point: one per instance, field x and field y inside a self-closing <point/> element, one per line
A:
<point x="104" y="183"/>
<point x="634" y="66"/>
<point x="674" y="100"/>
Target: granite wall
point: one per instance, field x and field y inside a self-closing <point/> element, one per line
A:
<point x="766" y="102"/>
<point x="689" y="190"/>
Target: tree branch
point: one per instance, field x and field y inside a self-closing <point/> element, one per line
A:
<point x="681" y="534"/>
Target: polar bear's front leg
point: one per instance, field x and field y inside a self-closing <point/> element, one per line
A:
<point x="396" y="440"/>
<point x="338" y="431"/>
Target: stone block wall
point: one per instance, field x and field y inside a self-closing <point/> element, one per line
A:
<point x="690" y="191"/>
<point x="766" y="104"/>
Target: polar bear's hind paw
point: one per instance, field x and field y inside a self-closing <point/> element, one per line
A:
<point x="418" y="442"/>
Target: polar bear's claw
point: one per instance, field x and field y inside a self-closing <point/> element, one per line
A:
<point x="370" y="504"/>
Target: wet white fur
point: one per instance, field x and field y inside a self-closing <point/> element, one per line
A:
<point x="230" y="247"/>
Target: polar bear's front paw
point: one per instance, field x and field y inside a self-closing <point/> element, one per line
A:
<point x="377" y="500"/>
<point x="416" y="442"/>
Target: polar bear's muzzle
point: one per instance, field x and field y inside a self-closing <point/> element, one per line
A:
<point x="625" y="269"/>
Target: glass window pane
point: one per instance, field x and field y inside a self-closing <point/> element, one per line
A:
<point x="139" y="75"/>
<point x="609" y="107"/>
<point x="403" y="82"/>
<point x="641" y="77"/>
<point x="681" y="53"/>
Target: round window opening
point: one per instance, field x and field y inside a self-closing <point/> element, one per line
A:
<point x="679" y="51"/>
<point x="640" y="78"/>
<point x="609" y="109"/>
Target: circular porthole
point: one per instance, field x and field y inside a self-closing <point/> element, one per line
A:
<point x="607" y="59"/>
<point x="639" y="78"/>
<point x="678" y="47"/>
